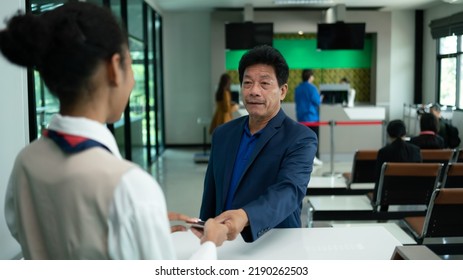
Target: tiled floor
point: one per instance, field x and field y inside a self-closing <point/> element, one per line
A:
<point x="181" y="180"/>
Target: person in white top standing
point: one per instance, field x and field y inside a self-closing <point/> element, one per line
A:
<point x="351" y="93"/>
<point x="70" y="193"/>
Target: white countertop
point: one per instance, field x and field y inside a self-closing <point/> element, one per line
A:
<point x="366" y="113"/>
<point x="337" y="243"/>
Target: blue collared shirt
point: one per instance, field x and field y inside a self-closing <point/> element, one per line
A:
<point x="247" y="145"/>
<point x="307" y="101"/>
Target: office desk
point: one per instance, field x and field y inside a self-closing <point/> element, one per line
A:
<point x="326" y="186"/>
<point x="393" y="228"/>
<point x="357" y="207"/>
<point x="354" y="243"/>
<point x="341" y="203"/>
<point x="326" y="182"/>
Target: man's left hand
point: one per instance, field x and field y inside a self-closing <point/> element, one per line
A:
<point x="235" y="220"/>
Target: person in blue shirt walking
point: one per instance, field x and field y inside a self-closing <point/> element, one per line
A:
<point x="308" y="99"/>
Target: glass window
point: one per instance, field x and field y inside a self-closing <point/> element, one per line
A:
<point x="137" y="103"/>
<point x="138" y="98"/>
<point x="116" y="8"/>
<point x="135" y="18"/>
<point x="46" y="104"/>
<point x="38" y="7"/>
<point x="151" y="79"/>
<point x="448" y="81"/>
<point x="448" y="45"/>
<point x="159" y="99"/>
<point x="460" y="98"/>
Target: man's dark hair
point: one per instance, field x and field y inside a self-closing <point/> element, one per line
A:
<point x="396" y="129"/>
<point x="265" y="55"/>
<point x="429" y="122"/>
<point x="306" y="74"/>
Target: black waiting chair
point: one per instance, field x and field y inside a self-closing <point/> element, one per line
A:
<point x="363" y="167"/>
<point x="405" y="184"/>
<point x="438" y="155"/>
<point x="458" y="155"/>
<point x="453" y="176"/>
<point x="444" y="156"/>
<point x="443" y="219"/>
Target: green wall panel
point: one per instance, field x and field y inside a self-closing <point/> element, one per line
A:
<point x="232" y="59"/>
<point x="303" y="54"/>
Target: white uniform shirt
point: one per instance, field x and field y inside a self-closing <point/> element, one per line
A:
<point x="137" y="222"/>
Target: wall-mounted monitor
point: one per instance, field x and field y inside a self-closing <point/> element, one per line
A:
<point x="246" y="35"/>
<point x="340" y="36"/>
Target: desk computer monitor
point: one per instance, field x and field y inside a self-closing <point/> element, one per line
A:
<point x="235" y="93"/>
<point x="334" y="93"/>
<point x="235" y="96"/>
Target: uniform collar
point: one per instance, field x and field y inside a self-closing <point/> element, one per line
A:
<point x="87" y="128"/>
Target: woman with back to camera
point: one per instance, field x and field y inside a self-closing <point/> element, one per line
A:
<point x="224" y="106"/>
<point x="70" y="194"/>
<point x="397" y="150"/>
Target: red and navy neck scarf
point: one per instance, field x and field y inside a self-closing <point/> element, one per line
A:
<point x="71" y="144"/>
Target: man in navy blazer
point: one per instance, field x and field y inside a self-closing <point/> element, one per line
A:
<point x="259" y="164"/>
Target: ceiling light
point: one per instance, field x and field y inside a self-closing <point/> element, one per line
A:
<point x="301" y="2"/>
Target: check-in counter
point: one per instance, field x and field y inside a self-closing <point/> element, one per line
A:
<point x="350" y="137"/>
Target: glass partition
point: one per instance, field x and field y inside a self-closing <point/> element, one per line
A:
<point x="159" y="86"/>
<point x="151" y="133"/>
<point x="137" y="104"/>
<point x="47" y="104"/>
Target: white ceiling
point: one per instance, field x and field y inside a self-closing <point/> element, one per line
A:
<point x="178" y="5"/>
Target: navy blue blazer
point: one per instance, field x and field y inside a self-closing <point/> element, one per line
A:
<point x="275" y="180"/>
